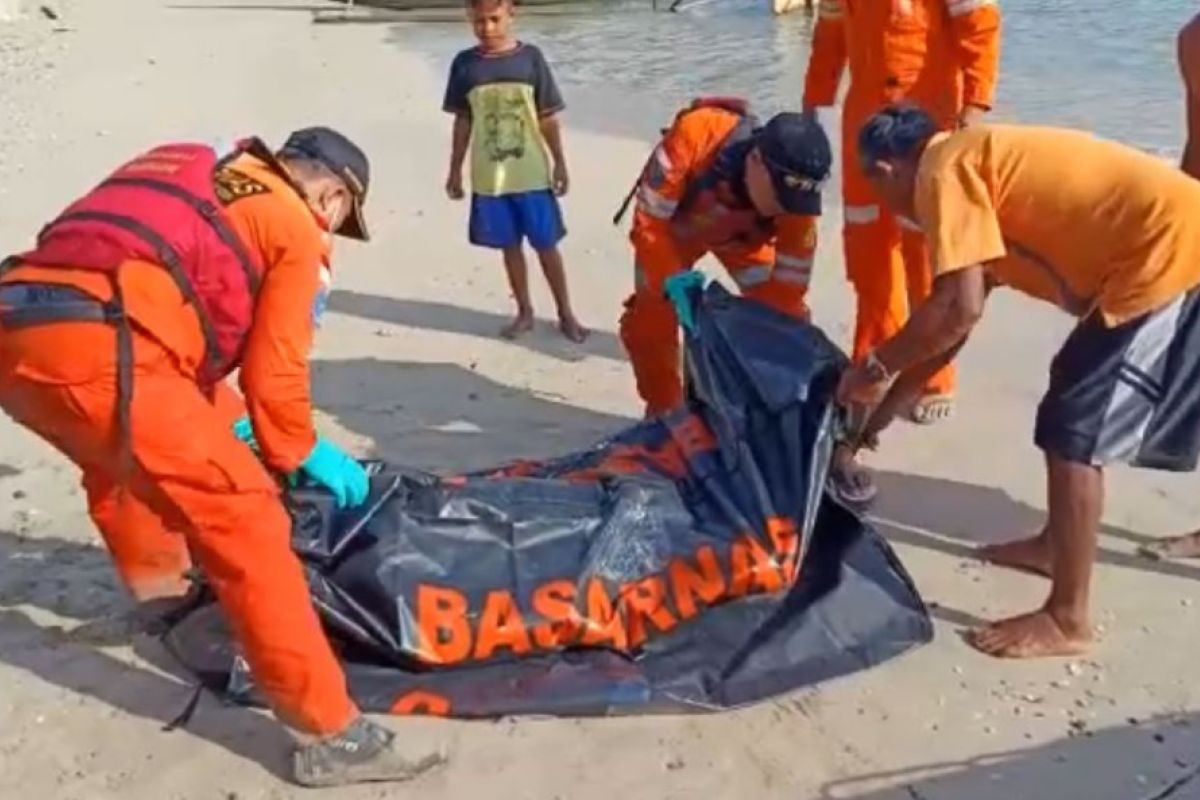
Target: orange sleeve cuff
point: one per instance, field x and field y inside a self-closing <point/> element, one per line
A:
<point x="796" y="235"/>
<point x="282" y="425"/>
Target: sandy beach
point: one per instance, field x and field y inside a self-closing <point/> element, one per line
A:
<point x="408" y="368"/>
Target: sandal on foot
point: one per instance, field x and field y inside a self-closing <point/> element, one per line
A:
<point x="932" y="408"/>
<point x="852" y="484"/>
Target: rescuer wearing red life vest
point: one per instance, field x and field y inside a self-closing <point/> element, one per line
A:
<point x="116" y="333"/>
<point x="720" y="182"/>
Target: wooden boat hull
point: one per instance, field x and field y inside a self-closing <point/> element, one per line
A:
<point x="418" y="5"/>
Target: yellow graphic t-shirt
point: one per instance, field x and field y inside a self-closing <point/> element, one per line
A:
<point x="505" y="95"/>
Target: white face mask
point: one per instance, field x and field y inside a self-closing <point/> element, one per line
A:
<point x="324" y="222"/>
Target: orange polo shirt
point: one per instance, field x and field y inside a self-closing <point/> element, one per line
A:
<point x="1064" y="216"/>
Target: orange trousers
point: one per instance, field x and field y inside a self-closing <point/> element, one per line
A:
<point x="886" y="259"/>
<point x="649" y="326"/>
<point x="193" y="490"/>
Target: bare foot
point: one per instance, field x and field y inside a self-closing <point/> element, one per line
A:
<point x="932" y="408"/>
<point x="1036" y="635"/>
<point x="521" y="325"/>
<point x="1027" y="555"/>
<point x="571" y="329"/>
<point x="1186" y="546"/>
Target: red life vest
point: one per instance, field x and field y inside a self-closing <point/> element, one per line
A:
<point x="162" y="208"/>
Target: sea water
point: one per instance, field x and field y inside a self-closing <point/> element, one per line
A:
<point x="1108" y="67"/>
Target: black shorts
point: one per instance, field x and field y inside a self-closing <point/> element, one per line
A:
<point x="1129" y="394"/>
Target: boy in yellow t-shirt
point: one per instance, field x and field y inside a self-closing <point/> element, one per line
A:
<point x="505" y="101"/>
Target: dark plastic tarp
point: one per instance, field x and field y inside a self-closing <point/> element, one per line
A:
<point x="689" y="563"/>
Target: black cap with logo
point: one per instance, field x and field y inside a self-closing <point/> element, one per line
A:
<point x="345" y="160"/>
<point x="798" y="157"/>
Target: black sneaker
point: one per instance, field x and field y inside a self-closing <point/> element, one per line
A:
<point x="363" y="753"/>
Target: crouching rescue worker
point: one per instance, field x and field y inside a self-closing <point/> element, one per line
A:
<point x="116" y="332"/>
<point x="1107" y="233"/>
<point x="720" y="182"/>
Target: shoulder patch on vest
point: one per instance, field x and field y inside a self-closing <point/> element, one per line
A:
<point x="231" y="185"/>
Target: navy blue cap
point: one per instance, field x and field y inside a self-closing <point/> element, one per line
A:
<point x="798" y="157"/>
<point x="345" y="160"/>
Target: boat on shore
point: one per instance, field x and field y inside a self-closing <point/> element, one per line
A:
<point x="545" y="6"/>
<point x="426" y="5"/>
<point x="436" y="11"/>
<point x="784" y="6"/>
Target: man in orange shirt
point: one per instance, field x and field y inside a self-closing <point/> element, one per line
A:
<point x="720" y="182"/>
<point x="116" y="332"/>
<point x="944" y="56"/>
<point x="1107" y="233"/>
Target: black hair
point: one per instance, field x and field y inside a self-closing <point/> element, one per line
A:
<point x="896" y="132"/>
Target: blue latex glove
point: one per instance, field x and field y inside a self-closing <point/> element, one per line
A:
<point x="679" y="288"/>
<point x="244" y="431"/>
<point x="338" y="472"/>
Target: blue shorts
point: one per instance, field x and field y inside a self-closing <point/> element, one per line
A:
<point x="503" y="221"/>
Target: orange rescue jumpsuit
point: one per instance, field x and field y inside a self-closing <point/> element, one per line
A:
<point x="939" y="54"/>
<point x="194" y="486"/>
<point x="772" y="265"/>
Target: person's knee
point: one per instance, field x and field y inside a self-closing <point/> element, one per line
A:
<point x="648" y="319"/>
<point x="1058" y="439"/>
<point x="228" y="545"/>
<point x="550" y="257"/>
